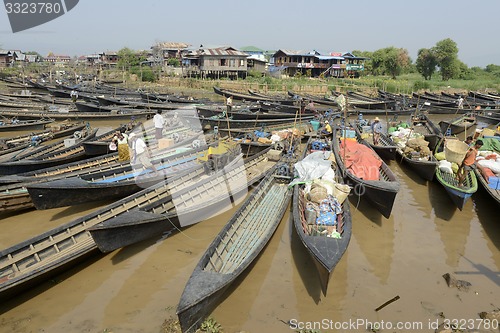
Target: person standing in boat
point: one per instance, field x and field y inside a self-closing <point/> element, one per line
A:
<point x="159" y="122"/>
<point x="140" y="153"/>
<point x="376" y="130"/>
<point x="121" y="141"/>
<point x="229" y="104"/>
<point x="469" y="162"/>
<point x="302" y="106"/>
<point x="74" y="95"/>
<point x="460" y="102"/>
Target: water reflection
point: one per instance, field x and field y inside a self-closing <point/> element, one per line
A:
<point x="376" y="241"/>
<point x="453" y="234"/>
<point x="487" y="209"/>
<point x="442" y="205"/>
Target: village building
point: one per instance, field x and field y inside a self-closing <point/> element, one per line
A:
<point x="169" y="50"/>
<point x="109" y="58"/>
<point x="257" y="60"/>
<point x="57" y="60"/>
<point x="215" y="63"/>
<point x="315" y="64"/>
<point x="5" y="58"/>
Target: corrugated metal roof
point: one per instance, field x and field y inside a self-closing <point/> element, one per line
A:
<point x="220" y="52"/>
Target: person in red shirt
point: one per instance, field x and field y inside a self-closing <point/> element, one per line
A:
<point x="468" y="164"/>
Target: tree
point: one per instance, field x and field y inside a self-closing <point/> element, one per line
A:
<point x="128" y="58"/>
<point x="446" y="52"/>
<point x="390" y="60"/>
<point x="426" y="63"/>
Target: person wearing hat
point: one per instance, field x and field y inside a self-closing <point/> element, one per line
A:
<point x="376" y="130"/>
<point x="327" y="129"/>
<point x="469" y="162"/>
<point x="140" y="152"/>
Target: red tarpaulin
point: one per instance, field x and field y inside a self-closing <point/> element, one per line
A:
<point x="360" y="160"/>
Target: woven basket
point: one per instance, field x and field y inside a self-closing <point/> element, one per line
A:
<point x="455" y="150"/>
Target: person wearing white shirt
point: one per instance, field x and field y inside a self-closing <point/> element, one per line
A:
<point x="140" y="152"/>
<point x="159" y="122"/>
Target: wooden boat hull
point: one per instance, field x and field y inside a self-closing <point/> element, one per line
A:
<point x="248" y="97"/>
<point x="423" y="125"/>
<point x="106" y="234"/>
<point x="386" y="149"/>
<point x="425" y="169"/>
<point x="15" y="197"/>
<point x="493" y="193"/>
<point x="252" y="148"/>
<point x="458" y="125"/>
<point x="121" y="115"/>
<point x="208" y="123"/>
<point x="26" y="125"/>
<point x="222" y="264"/>
<point x="459" y="195"/>
<point x="381" y="194"/>
<point x="325" y="252"/>
<point x="46" y="159"/>
<point x="106" y="185"/>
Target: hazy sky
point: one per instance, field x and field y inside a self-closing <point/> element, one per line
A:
<point x="94" y="26"/>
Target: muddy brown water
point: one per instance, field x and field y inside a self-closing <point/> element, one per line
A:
<point x="137" y="288"/>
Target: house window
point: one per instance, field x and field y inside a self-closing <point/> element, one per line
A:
<point x="242" y="63"/>
<point x="223" y="62"/>
<point x="232" y="63"/>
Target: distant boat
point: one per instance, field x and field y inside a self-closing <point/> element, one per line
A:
<point x="23" y="125"/>
<point x="464" y="123"/>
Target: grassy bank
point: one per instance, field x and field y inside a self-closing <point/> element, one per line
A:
<point x="405" y="84"/>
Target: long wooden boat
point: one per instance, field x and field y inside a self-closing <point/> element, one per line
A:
<point x="19" y="142"/>
<point x="380" y="193"/>
<point x="425" y="167"/>
<point x="493" y="193"/>
<point x="220" y="113"/>
<point x="162" y="98"/>
<point x="118" y="115"/>
<point x="181" y="201"/>
<point x="236" y="246"/>
<point x="489" y="118"/>
<point x="324" y="250"/>
<point x="386" y="148"/>
<point x="15" y="197"/>
<point x="422" y="124"/>
<point x="116" y="183"/>
<point x="24" y="125"/>
<point x="356" y="101"/>
<point x="222" y="123"/>
<point x="248" y="97"/>
<point x="30" y="261"/>
<point x="21" y="105"/>
<point x="49" y="156"/>
<point x="459" y="193"/>
<point x="458" y="125"/>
